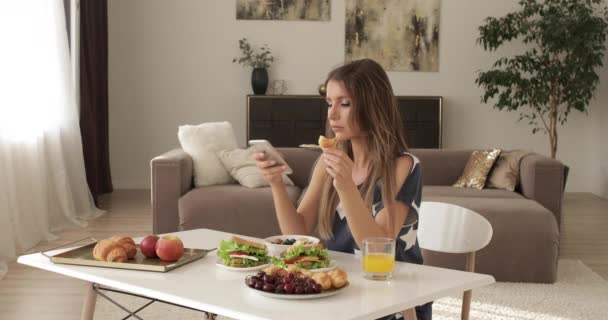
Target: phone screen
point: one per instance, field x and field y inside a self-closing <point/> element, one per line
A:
<point x="270" y="151"/>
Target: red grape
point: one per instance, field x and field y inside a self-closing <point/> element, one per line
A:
<point x="268" y="287"/>
<point x="289" y="289"/>
<point x="269" y="279"/>
<point x="298" y="290"/>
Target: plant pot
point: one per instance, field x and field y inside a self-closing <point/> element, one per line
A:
<point x="259" y="80"/>
<point x="566" y="172"/>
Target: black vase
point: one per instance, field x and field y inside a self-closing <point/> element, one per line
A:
<point x="259" y="80"/>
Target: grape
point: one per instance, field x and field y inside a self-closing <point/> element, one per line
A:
<point x="269" y="279"/>
<point x="250" y="282"/>
<point x="259" y="285"/>
<point x="287" y="280"/>
<point x="261" y="274"/>
<point x="309" y="289"/>
<point x="268" y="287"/>
<point x="310" y="281"/>
<point x="288" y="288"/>
<point x="317" y="287"/>
<point x="279" y="289"/>
<point x="298" y="290"/>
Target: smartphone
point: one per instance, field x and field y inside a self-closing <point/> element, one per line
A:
<point x="270" y="151"/>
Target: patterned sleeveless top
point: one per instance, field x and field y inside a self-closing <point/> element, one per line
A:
<point x="410" y="193"/>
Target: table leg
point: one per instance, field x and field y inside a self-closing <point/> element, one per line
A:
<point x="466" y="297"/>
<point x="466" y="305"/>
<point x="88" y="305"/>
<point x="409" y="314"/>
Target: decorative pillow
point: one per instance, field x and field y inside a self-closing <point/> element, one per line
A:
<point x="202" y="142"/>
<point x="477" y="169"/>
<point x="505" y="174"/>
<point x="242" y="166"/>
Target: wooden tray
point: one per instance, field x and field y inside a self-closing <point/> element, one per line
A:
<point x="83" y="256"/>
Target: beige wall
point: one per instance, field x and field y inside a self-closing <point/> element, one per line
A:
<point x="600" y="145"/>
<point x="170" y="64"/>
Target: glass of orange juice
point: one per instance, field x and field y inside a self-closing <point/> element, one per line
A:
<point x="378" y="260"/>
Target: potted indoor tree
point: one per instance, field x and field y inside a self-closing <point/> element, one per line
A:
<point x="260" y="60"/>
<point x="565" y="45"/>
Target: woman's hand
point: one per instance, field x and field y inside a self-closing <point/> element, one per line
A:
<point x="272" y="172"/>
<point x="340" y="167"/>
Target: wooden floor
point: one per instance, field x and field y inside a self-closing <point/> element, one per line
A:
<point x="28" y="293"/>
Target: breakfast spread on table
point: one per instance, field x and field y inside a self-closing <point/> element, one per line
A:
<point x="242" y="253"/>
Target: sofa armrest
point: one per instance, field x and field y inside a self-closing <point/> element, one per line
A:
<point x="542" y="180"/>
<point x="171" y="178"/>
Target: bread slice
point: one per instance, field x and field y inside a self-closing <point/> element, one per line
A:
<point x="249" y="243"/>
<point x="327" y="142"/>
<point x="307" y="247"/>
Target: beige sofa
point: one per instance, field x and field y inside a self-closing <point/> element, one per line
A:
<point x="524" y="247"/>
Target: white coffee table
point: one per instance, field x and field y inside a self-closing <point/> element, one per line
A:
<point x="203" y="286"/>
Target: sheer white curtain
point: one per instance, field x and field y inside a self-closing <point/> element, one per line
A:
<point x="43" y="185"/>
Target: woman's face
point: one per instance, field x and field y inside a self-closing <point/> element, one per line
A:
<point x="339" y="111"/>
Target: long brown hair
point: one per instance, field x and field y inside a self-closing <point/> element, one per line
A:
<point x="375" y="112"/>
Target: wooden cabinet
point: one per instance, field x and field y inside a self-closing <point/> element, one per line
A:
<point x="290" y="120"/>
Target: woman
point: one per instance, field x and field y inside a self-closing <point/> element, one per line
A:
<point x="369" y="170"/>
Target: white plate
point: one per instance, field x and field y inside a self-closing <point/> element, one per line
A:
<point x="256" y="268"/>
<point x="297" y="296"/>
<point x="332" y="265"/>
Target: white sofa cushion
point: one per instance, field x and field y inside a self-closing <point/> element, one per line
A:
<point x="203" y="142"/>
<point x="242" y="166"/>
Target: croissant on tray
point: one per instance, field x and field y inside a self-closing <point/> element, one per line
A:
<point x="126" y="243"/>
<point x="115" y="249"/>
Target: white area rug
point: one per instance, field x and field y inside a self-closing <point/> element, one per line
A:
<point x="579" y="293"/>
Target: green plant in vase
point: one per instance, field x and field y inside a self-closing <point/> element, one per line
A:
<point x="260" y="60"/>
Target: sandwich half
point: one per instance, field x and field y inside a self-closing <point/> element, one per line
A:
<point x="307" y="256"/>
<point x="241" y="253"/>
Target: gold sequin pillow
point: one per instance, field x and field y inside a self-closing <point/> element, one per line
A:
<point x="477" y="168"/>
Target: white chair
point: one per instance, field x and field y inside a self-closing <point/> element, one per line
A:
<point x="449" y="228"/>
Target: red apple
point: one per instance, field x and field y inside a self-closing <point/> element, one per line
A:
<point x="169" y="248"/>
<point x="148" y="246"/>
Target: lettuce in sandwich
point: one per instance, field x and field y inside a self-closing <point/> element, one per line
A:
<point x="307" y="256"/>
<point x="241" y="253"/>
